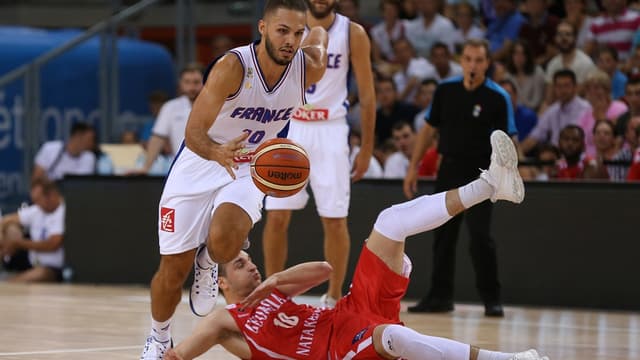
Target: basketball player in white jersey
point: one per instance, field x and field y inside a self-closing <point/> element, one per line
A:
<point x="248" y="97"/>
<point x="321" y="128"/>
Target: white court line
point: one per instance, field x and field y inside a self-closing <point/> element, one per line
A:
<point x="64" y="351"/>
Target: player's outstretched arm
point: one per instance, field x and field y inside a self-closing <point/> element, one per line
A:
<point x="314" y="47"/>
<point x="292" y="281"/>
<point x="360" y="59"/>
<point x="224" y="80"/>
<point x="217" y="328"/>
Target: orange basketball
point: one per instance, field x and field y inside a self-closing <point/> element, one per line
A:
<point x="280" y="167"/>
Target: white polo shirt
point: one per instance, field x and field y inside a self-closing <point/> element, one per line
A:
<point x="57" y="162"/>
<point x="172" y="121"/>
<point x="41" y="226"/>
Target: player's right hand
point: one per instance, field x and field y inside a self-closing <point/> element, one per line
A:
<point x="225" y="153"/>
<point x="410" y="184"/>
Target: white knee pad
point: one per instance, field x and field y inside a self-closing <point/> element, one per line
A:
<point x="402" y="342"/>
<point x="389" y="225"/>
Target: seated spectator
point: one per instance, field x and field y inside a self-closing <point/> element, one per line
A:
<point x="627" y="143"/>
<point x="538" y="29"/>
<point x="573" y="162"/>
<point x="423" y="99"/>
<point x="128" y="137"/>
<point x="428" y="28"/>
<point x="634" y="170"/>
<point x="412" y="70"/>
<point x="55" y="159"/>
<point x="548" y="156"/>
<point x="390" y="109"/>
<point x="45" y="221"/>
<point x="375" y="170"/>
<point x="431" y="160"/>
<point x="604" y="139"/>
<point x="525" y="118"/>
<point x="632" y="98"/>
<point x="632" y="66"/>
<point x="504" y="30"/>
<point x="443" y="66"/>
<point x="607" y="61"/>
<point x="528" y="76"/>
<point x="616" y="27"/>
<point x="567" y="110"/>
<point x="403" y="136"/>
<point x="386" y="32"/>
<point x="569" y="57"/>
<point x="155" y="101"/>
<point x="576" y="15"/>
<point x="220" y="44"/>
<point x="598" y="93"/>
<point x="351" y="9"/>
<point x="159" y="167"/>
<point x="464" y="15"/>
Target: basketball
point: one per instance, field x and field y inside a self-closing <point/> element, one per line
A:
<point x="280" y="167"/>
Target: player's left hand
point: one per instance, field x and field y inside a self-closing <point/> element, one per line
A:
<point x="360" y="165"/>
<point x="260" y="293"/>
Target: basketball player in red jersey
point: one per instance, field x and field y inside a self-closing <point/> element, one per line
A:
<point x="264" y="323"/>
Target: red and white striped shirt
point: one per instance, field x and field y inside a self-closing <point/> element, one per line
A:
<point x="615" y="31"/>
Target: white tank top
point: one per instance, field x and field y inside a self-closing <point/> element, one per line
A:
<point x="254" y="108"/>
<point x="327" y="99"/>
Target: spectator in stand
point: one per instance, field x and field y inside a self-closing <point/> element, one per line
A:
<point x="45" y="221"/>
<point x="443" y="66"/>
<point x="632" y="66"/>
<point x="390" y="109"/>
<point x="409" y="10"/>
<point x="355" y="141"/>
<point x="528" y="76"/>
<point x="430" y="161"/>
<point x="402" y="134"/>
<point x="155" y="101"/>
<point x="604" y="138"/>
<point x="548" y="156"/>
<point x="616" y="27"/>
<point x="526" y="118"/>
<point x="464" y="16"/>
<point x="387" y="31"/>
<point x="567" y="110"/>
<point x="351" y="9"/>
<point x="220" y="44"/>
<point x="172" y="119"/>
<point x="504" y="30"/>
<point x="632" y="98"/>
<point x="537" y="31"/>
<point x="627" y="142"/>
<point x="634" y="170"/>
<point x="412" y="70"/>
<point x="57" y="158"/>
<point x="423" y="99"/>
<point x="598" y="92"/>
<point x="607" y="61"/>
<point x="576" y="15"/>
<point x="429" y="27"/>
<point x="569" y="57"/>
<point x="573" y="162"/>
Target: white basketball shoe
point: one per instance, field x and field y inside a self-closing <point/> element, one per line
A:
<point x="154" y="349"/>
<point x="503" y="173"/>
<point x="528" y="355"/>
<point x="204" y="290"/>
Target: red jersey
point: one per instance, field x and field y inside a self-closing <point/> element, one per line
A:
<point x="574" y="171"/>
<point x="634" y="170"/>
<point x="278" y="328"/>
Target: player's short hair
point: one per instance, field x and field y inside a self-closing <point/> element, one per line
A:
<point x="473" y="42"/>
<point x="273" y="5"/>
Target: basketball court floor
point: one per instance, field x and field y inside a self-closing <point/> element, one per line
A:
<point x="47" y="322"/>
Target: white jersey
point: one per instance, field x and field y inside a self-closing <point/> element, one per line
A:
<point x="42" y="226"/>
<point x="327" y="99"/>
<point x="254" y="108"/>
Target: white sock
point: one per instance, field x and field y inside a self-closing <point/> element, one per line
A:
<point x="403" y="342"/>
<point x="161" y="330"/>
<point x="475" y="192"/>
<point x="494" y="355"/>
<point x="204" y="260"/>
<point x="413" y="217"/>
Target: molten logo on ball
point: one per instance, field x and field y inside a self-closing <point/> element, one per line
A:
<point x="280" y="167"/>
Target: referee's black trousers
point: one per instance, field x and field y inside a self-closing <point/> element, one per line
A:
<point x="453" y="173"/>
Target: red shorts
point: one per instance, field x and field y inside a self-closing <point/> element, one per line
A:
<point x="373" y="299"/>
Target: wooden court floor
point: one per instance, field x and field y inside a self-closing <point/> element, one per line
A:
<point x="105" y="322"/>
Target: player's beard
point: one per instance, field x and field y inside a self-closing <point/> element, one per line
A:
<point x="321" y="14"/>
<point x="271" y="51"/>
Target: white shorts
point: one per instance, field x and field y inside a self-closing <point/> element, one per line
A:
<point x="329" y="178"/>
<point x="195" y="187"/>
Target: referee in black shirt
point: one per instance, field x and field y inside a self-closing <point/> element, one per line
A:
<point x="465" y="110"/>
